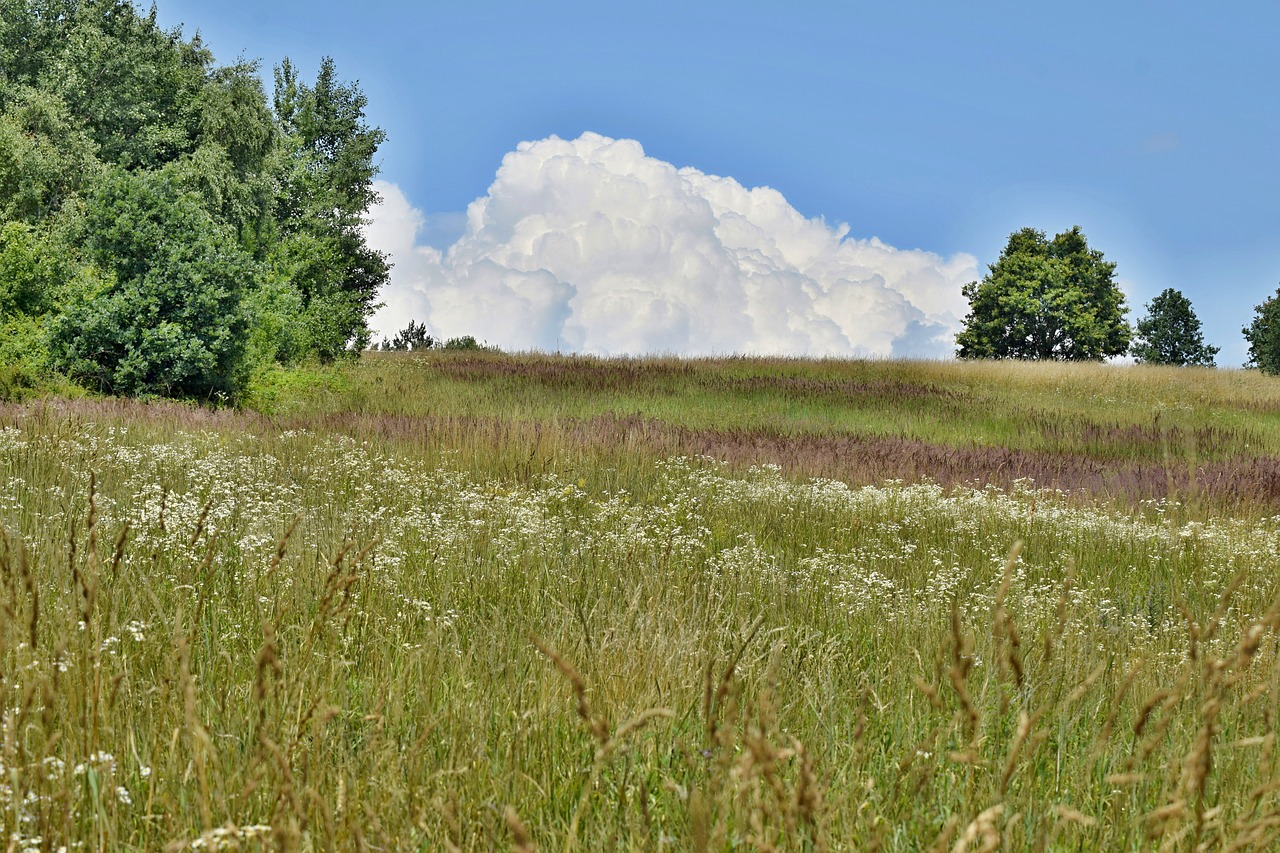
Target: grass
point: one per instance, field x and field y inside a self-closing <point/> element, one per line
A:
<point x="1116" y="434"/>
<point x="482" y="602"/>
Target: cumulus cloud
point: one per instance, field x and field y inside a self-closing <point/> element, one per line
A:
<point x="588" y="245"/>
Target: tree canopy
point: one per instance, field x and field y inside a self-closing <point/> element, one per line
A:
<point x="1263" y="335"/>
<point x="165" y="227"/>
<point x="1045" y="299"/>
<point x="1170" y="333"/>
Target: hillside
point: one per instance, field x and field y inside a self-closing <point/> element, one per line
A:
<point x="1120" y="433"/>
<point x="482" y="601"/>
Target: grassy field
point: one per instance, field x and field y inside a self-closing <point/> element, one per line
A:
<point x="476" y="602"/>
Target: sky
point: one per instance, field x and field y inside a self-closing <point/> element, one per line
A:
<point x="806" y="178"/>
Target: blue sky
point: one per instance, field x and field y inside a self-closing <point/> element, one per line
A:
<point x="929" y="125"/>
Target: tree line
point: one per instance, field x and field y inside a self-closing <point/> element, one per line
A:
<point x="1057" y="299"/>
<point x="166" y="227"/>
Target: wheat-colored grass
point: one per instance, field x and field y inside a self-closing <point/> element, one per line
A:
<point x="216" y="633"/>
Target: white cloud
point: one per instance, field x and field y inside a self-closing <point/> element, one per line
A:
<point x="588" y="245"/>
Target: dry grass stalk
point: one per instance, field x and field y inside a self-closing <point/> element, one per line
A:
<point x="117" y="554"/>
<point x="983" y="827"/>
<point x="1082" y="689"/>
<point x="200" y="523"/>
<point x="282" y="545"/>
<point x="1224" y="603"/>
<point x="448" y="811"/>
<point x="958" y="674"/>
<point x="198" y="737"/>
<point x="1060" y="612"/>
<point x="712" y="702"/>
<point x="84" y="578"/>
<point x="1025" y="723"/>
<point x="597" y="726"/>
<point x="1003" y="629"/>
<point x="944" y="836"/>
<point x="1070" y="815"/>
<point x="1103" y="736"/>
<point x="520" y="840"/>
<point x="14" y="551"/>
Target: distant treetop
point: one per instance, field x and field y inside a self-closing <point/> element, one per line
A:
<point x="1263" y="335"/>
<point x="1045" y="299"/>
<point x="1170" y="334"/>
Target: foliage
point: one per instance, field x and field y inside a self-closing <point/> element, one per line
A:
<point x="46" y="158"/>
<point x="1170" y="334"/>
<point x="36" y="279"/>
<point x="267" y="199"/>
<point x="326" y="187"/>
<point x="273" y="387"/>
<point x="172" y="321"/>
<point x="1263" y="335"/>
<point x="1045" y="300"/>
<point x="466" y="343"/>
<point x="412" y="337"/>
<point x="28" y="272"/>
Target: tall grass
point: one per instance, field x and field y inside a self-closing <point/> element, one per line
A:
<point x="391" y="631"/>
<point x="1120" y="434"/>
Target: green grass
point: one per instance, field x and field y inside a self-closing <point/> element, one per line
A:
<point x="476" y="602"/>
<point x="995" y="404"/>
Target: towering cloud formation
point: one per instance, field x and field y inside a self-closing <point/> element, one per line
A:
<point x="588" y="245"/>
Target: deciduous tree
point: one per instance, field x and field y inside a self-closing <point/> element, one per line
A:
<point x="1170" y="333"/>
<point x="1263" y="335"/>
<point x="325" y="192"/>
<point x="171" y="320"/>
<point x="1045" y="299"/>
<point x="185" y="225"/>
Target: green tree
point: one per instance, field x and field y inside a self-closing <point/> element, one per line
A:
<point x="326" y="191"/>
<point x="1170" y="333"/>
<point x="1045" y="299"/>
<point x="36" y="279"/>
<point x="1263" y="335"/>
<point x="45" y="158"/>
<point x="171" y="321"/>
<point x="412" y="337"/>
<point x="234" y="167"/>
<point x="28" y="272"/>
<point x="178" y="226"/>
<point x="134" y="85"/>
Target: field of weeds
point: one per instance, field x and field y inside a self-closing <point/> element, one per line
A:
<point x="538" y="603"/>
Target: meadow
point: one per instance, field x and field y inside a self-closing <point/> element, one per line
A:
<point x="476" y="601"/>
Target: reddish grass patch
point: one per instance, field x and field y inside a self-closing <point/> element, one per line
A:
<point x="1234" y="482"/>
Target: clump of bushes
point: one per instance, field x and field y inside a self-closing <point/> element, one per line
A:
<point x="414" y="337"/>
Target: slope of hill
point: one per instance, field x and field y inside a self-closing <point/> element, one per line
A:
<point x="513" y="601"/>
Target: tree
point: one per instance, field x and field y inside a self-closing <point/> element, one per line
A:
<point x="165" y="226"/>
<point x="44" y="158"/>
<point x="1045" y="299"/>
<point x="171" y="322"/>
<point x="1170" y="333"/>
<point x="325" y="193"/>
<point x="133" y="84"/>
<point x="29" y="276"/>
<point x="1263" y="335"/>
<point x="411" y="337"/>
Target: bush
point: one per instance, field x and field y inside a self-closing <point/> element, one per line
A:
<point x="172" y="322"/>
